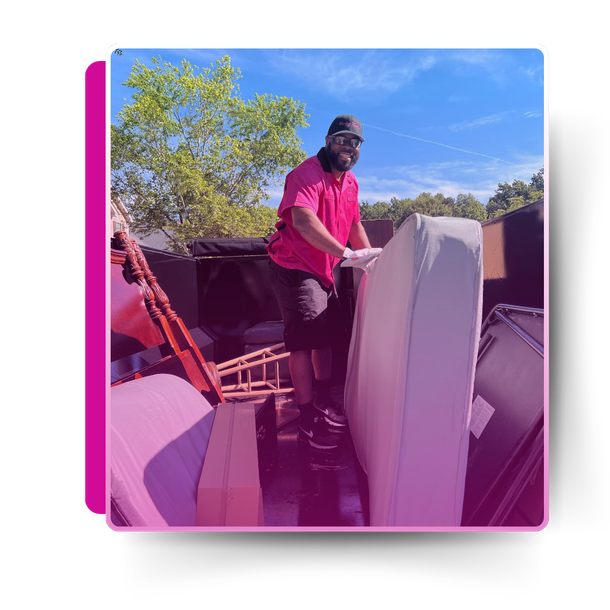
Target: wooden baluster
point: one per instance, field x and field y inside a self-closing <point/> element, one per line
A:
<point x="160" y="296"/>
<point x="173" y="327"/>
<point x="176" y="335"/>
<point x="136" y="271"/>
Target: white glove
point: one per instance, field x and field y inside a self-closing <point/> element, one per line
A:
<point x="362" y="259"/>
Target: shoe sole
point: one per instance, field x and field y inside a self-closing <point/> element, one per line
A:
<point x="315" y="445"/>
<point x="329" y="421"/>
<point x="339" y="427"/>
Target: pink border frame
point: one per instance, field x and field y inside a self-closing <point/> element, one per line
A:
<point x="94" y="311"/>
<point x="95" y="293"/>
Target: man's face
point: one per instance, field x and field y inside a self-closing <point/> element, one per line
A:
<point x="344" y="157"/>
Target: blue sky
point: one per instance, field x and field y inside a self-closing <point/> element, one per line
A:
<point x="435" y="120"/>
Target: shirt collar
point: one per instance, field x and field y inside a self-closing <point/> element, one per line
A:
<point x="323" y="159"/>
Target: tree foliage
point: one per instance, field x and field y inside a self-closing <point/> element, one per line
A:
<point x="190" y="158"/>
<point x="398" y="210"/>
<point x="508" y="197"/>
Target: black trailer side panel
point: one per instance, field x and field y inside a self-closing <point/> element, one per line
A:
<point x="513" y="258"/>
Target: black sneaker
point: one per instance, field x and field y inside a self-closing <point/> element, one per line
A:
<point x="316" y="435"/>
<point x="333" y="414"/>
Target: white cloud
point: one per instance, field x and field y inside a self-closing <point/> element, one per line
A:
<point x="531" y="114"/>
<point x="481" y="178"/>
<point x="344" y="72"/>
<point x="534" y="74"/>
<point x="275" y="196"/>
<point x="373" y="189"/>
<point x="481" y="122"/>
<point x="341" y="72"/>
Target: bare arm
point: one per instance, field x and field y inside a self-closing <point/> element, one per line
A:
<point x="314" y="232"/>
<point x="358" y="237"/>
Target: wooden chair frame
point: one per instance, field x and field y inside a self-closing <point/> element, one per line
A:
<point x="197" y="371"/>
<point x="205" y="376"/>
<point x="245" y="364"/>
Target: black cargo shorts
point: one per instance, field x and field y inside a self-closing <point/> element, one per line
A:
<point x="309" y="309"/>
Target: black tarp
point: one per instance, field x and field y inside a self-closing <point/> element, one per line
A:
<point x="229" y="246"/>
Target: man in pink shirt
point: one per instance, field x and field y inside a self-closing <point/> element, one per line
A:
<point x="319" y="214"/>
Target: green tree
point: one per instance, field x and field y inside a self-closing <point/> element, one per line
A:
<point x="509" y="197"/>
<point x="467" y="206"/>
<point x="190" y="158"/>
<point x="537" y="182"/>
<point x="377" y="211"/>
<point x="424" y="203"/>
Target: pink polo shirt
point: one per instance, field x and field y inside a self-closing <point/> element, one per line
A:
<point x="312" y="185"/>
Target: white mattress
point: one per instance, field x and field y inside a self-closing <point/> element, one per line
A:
<point x="410" y="372"/>
<point x="159" y="432"/>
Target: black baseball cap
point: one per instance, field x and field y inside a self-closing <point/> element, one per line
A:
<point x="346" y="123"/>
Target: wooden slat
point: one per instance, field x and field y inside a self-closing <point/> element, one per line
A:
<point x="246" y="357"/>
<point x="249" y="365"/>
<point x="229" y="492"/>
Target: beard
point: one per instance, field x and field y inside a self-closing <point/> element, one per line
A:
<point x="342" y="165"/>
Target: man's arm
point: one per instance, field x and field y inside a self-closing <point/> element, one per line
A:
<point x="314" y="232"/>
<point x="358" y="237"/>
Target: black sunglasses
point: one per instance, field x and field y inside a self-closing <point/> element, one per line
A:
<point x="341" y="141"/>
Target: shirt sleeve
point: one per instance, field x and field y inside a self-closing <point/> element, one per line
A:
<point x="302" y="189"/>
